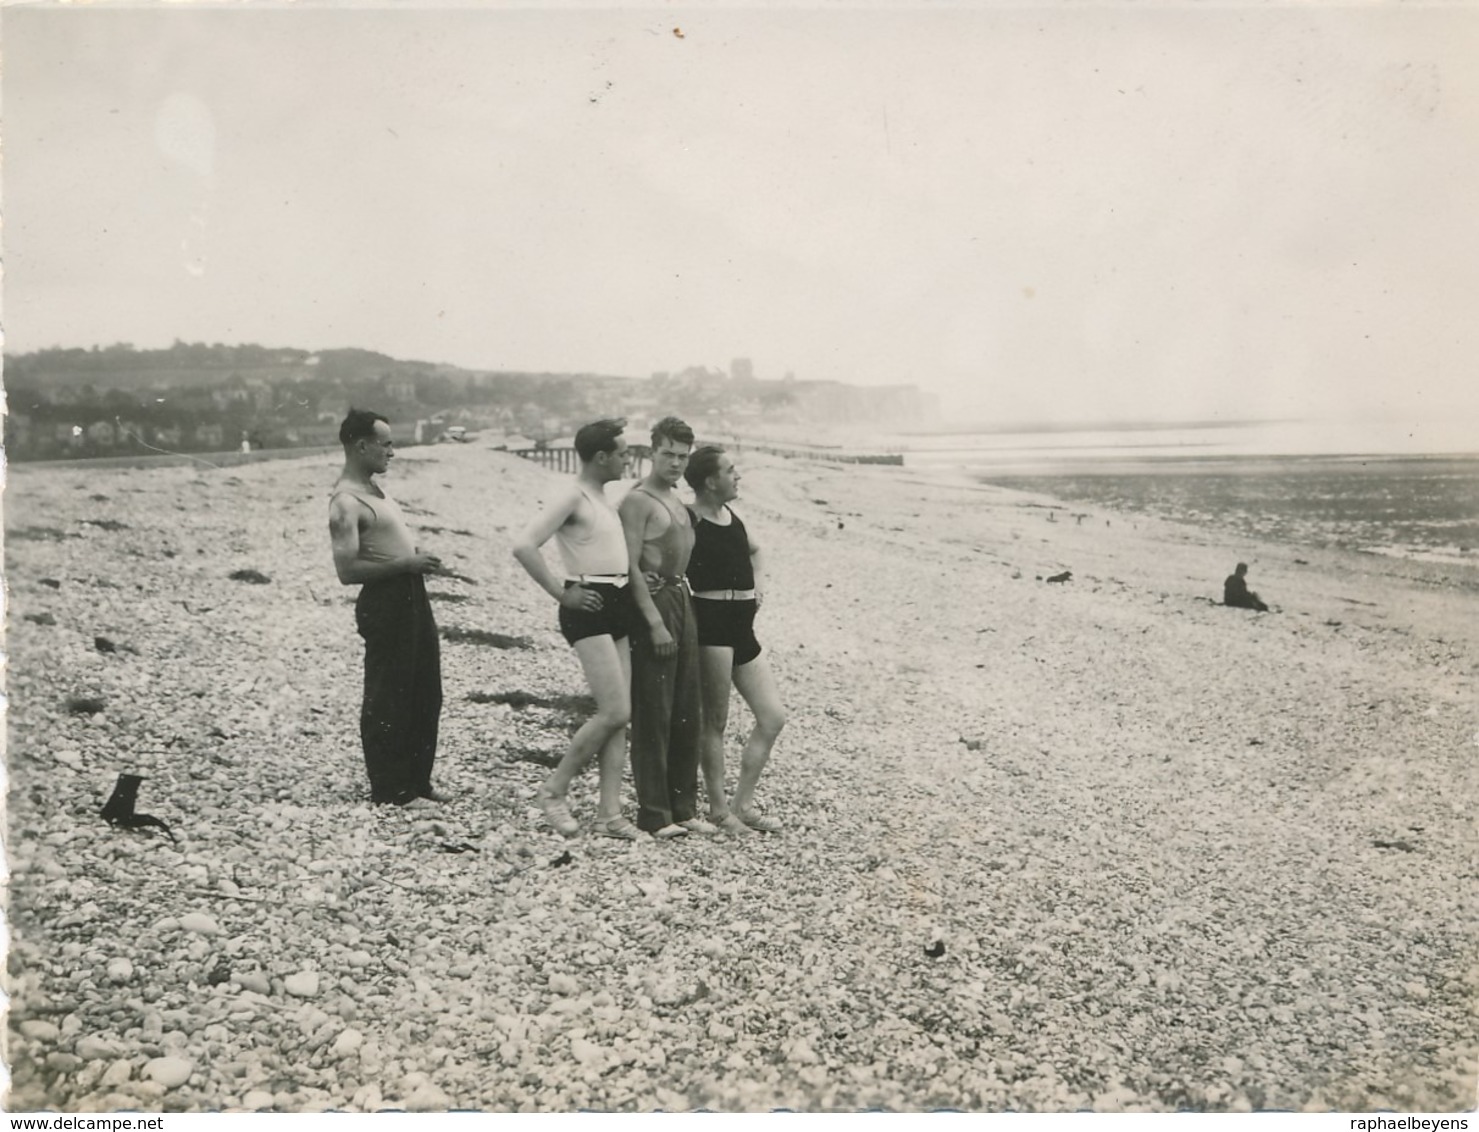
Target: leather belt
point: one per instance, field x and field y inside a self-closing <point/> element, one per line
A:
<point x="725" y="595"/>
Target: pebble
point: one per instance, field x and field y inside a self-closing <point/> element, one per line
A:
<point x="254" y="981"/>
<point x="200" y="923"/>
<point x="348" y="1042"/>
<point x="39" y="1030"/>
<point x="120" y="970"/>
<point x="302" y="985"/>
<point x="118" y="1073"/>
<point x="171" y="1072"/>
<point x="563" y="984"/>
<point x="256" y="1099"/>
<point x="91" y="1048"/>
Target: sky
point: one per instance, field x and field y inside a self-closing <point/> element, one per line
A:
<point x="1036" y="211"/>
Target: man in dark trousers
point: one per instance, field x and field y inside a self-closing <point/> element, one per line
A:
<point x="1235" y="591"/>
<point x="667" y="706"/>
<point x="374" y="549"/>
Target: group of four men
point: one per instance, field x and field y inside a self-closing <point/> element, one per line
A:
<point x="658" y="601"/>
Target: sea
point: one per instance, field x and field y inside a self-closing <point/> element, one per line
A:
<point x="1410" y="491"/>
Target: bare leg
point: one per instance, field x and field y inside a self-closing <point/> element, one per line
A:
<point x="614" y="751"/>
<point x="608" y="672"/>
<point x="757" y="686"/>
<point x="716" y="662"/>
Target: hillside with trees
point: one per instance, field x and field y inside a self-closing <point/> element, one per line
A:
<point x="195" y="397"/>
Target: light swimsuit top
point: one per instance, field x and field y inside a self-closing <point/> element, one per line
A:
<point x="594" y="544"/>
<point x="387" y="535"/>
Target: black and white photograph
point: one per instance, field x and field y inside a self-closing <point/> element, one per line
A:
<point x="830" y="557"/>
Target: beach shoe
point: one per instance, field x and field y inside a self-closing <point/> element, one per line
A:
<point x="619" y="828"/>
<point x="762" y="822"/>
<point x="416" y="804"/>
<point x="432" y="795"/>
<point x="668" y="832"/>
<point x="731" y="825"/>
<point x="698" y="825"/>
<point x="557" y="814"/>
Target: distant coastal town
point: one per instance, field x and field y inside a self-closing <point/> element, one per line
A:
<point x="194" y="397"/>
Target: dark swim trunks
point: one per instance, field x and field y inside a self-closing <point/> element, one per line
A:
<point x="612" y="619"/>
<point x="728" y="624"/>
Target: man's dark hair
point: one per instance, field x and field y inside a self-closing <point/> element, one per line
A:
<point x="702" y="463"/>
<point x="359" y="425"/>
<point x="671" y="428"/>
<point x="597" y="437"/>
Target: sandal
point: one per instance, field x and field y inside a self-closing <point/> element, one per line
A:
<point x="557" y="814"/>
<point x="617" y="827"/>
<point x="668" y="832"/>
<point x="698" y="825"/>
<point x="762" y="822"/>
<point x="732" y="825"/>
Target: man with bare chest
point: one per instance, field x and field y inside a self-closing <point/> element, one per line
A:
<point x="666" y="698"/>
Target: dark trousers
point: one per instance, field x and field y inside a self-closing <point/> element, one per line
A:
<point x="666" y="716"/>
<point x="403" y="687"/>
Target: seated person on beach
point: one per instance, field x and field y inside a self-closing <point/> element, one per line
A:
<point x="594" y="613"/>
<point x="1235" y="591"/>
<point x="727" y="579"/>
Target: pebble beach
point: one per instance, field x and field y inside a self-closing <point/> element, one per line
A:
<point x="1099" y="844"/>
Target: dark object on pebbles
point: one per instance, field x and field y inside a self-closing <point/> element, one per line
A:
<point x="41" y="618"/>
<point x="563" y="859"/>
<point x="1063" y="577"/>
<point x="85" y="705"/>
<point x="219" y="973"/>
<point x="119" y="810"/>
<point x="106" y="524"/>
<point x="935" y="950"/>
<point x="1405" y="846"/>
<point x="483" y="637"/>
<point x="460" y="847"/>
<point x="52" y="582"/>
<point x="102" y="644"/>
<point x="971" y="744"/>
<point x="255" y="577"/>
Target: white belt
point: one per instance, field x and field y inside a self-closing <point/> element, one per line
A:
<point x="600" y="579"/>
<point x="725" y="595"/>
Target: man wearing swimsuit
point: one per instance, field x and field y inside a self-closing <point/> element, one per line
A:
<point x="373" y="549"/>
<point x="726" y="574"/>
<point x="666" y="701"/>
<point x="594" y="614"/>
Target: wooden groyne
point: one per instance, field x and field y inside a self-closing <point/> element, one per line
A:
<point x="566" y="459"/>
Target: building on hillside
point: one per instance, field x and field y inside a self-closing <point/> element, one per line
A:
<point x="398" y="389"/>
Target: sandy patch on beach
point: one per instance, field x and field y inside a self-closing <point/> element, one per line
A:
<point x="1095" y="844"/>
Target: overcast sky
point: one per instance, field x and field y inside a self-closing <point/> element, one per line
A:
<point x="1036" y="211"/>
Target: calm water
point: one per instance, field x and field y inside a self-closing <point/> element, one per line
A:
<point x="1407" y="491"/>
<point x="1420" y="507"/>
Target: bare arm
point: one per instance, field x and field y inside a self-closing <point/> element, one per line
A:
<point x="636" y="514"/>
<point x="757" y="564"/>
<point x="344" y="519"/>
<point x="527" y="551"/>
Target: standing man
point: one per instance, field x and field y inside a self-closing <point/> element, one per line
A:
<point x="728" y="582"/>
<point x="666" y="701"/>
<point x="373" y="549"/>
<point x="594" y="615"/>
